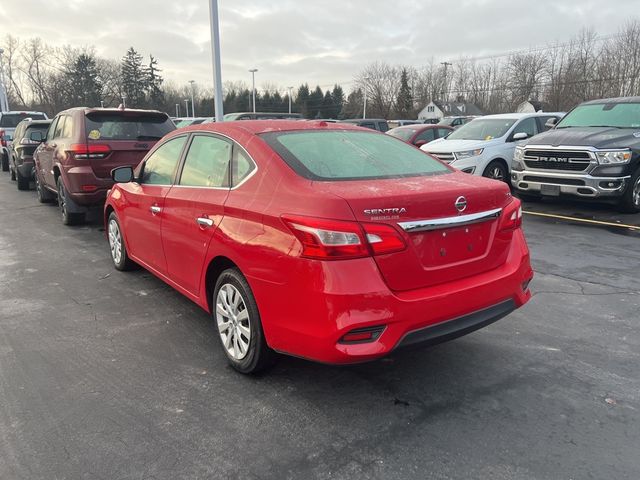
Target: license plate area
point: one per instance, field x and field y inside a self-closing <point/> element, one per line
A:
<point x="550" y="190"/>
<point x="452" y="245"/>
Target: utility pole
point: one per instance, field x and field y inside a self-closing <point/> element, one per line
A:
<point x="290" y="90"/>
<point x="218" y="103"/>
<point x="4" y="101"/>
<point x="253" y="90"/>
<point x="124" y="100"/>
<point x="445" y="93"/>
<point x="186" y="105"/>
<point x="193" y="105"/>
<point x="364" y="109"/>
<point x="177" y="110"/>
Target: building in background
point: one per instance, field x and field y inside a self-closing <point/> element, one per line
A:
<point x="436" y="111"/>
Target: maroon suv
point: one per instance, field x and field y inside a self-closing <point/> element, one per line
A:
<point x="82" y="146"/>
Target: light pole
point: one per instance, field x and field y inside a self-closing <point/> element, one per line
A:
<point x="253" y="91"/>
<point x="193" y="106"/>
<point x="364" y="110"/>
<point x="177" y="110"/>
<point x="215" y="54"/>
<point x="124" y="100"/>
<point x="4" y="101"/>
<point x="290" y="90"/>
<point x="186" y="105"/>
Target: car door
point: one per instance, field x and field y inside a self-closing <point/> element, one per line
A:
<point x="194" y="207"/>
<point x="144" y="213"/>
<point x="46" y="152"/>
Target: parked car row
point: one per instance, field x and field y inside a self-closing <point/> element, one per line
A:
<point x="317" y="239"/>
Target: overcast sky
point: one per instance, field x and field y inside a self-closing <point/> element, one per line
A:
<point x="315" y="41"/>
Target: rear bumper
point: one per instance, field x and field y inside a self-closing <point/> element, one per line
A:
<point x="579" y="185"/>
<point x="78" y="179"/>
<point x="349" y="295"/>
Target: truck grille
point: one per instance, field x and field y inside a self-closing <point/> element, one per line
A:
<point x="446" y="157"/>
<point x="567" y="160"/>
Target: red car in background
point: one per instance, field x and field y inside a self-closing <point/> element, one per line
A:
<point x="419" y="135"/>
<point x="320" y="240"/>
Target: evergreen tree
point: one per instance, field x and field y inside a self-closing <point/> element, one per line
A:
<point x="302" y="100"/>
<point x="404" y="102"/>
<point x="154" y="83"/>
<point x="337" y="96"/>
<point x="83" y="83"/>
<point x="327" y="106"/>
<point x="315" y="103"/>
<point x="352" y="108"/>
<point x="134" y="79"/>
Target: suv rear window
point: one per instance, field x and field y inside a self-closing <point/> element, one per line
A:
<point x="11" y="120"/>
<point x="112" y="126"/>
<point x="351" y="155"/>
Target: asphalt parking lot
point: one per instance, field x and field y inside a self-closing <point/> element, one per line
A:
<point x="109" y="375"/>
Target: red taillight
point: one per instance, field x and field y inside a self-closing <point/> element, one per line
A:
<point x="83" y="151"/>
<point x="337" y="239"/>
<point x="3" y="141"/>
<point x="89" y="188"/>
<point x="362" y="335"/>
<point x="512" y="215"/>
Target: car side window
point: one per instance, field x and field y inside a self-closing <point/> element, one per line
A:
<point x="59" y="127"/>
<point x="67" y="130"/>
<point x="528" y="126"/>
<point x="242" y="166"/>
<point x="207" y="163"/>
<point x="443" y="132"/>
<point x="161" y="165"/>
<point x="427" y="135"/>
<point x="52" y="128"/>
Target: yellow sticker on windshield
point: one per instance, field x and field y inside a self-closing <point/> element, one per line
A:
<point x="488" y="137"/>
<point x="94" y="134"/>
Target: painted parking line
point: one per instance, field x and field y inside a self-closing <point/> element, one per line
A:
<point x="583" y="220"/>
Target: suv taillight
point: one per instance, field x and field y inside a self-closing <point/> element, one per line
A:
<point x="325" y="239"/>
<point x="96" y="151"/>
<point x="3" y="141"/>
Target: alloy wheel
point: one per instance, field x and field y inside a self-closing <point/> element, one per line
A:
<point x="62" y="203"/>
<point x="635" y="195"/>
<point x="115" y="241"/>
<point x="232" y="318"/>
<point x="496" y="173"/>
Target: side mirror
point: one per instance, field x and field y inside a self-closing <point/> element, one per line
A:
<point x="520" y="136"/>
<point x="37" y="137"/>
<point x="420" y="143"/>
<point x="122" y="174"/>
<point x="551" y="123"/>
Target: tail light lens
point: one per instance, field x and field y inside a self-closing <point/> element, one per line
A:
<point x="337" y="239"/>
<point x="512" y="215"/>
<point x="3" y="140"/>
<point x="83" y="151"/>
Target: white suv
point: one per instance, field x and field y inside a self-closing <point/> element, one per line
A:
<point x="485" y="145"/>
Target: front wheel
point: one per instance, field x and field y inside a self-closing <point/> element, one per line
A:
<point x="630" y="201"/>
<point x="121" y="260"/>
<point x="496" y="170"/>
<point x="5" y="162"/>
<point x="239" y="326"/>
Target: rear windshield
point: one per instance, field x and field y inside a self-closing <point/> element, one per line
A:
<point x="403" y="133"/>
<point x="351" y="155"/>
<point x="37" y="127"/>
<point x="126" y="127"/>
<point x="11" y="120"/>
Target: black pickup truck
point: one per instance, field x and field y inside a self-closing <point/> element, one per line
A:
<point x="593" y="152"/>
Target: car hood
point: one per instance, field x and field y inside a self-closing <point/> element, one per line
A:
<point x="598" y="137"/>
<point x="444" y="145"/>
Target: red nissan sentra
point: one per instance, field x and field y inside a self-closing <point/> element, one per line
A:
<point x="320" y="240"/>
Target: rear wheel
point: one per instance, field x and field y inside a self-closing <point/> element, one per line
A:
<point x="496" y="170"/>
<point x="66" y="204"/>
<point x="238" y="323"/>
<point x="121" y="260"/>
<point x="5" y="162"/>
<point x="44" y="195"/>
<point x="23" y="182"/>
<point x="630" y="201"/>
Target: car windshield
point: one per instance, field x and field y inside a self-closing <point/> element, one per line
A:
<point x="618" y="115"/>
<point x="403" y="133"/>
<point x="109" y="126"/>
<point x="350" y="155"/>
<point x="11" y="120"/>
<point x="483" y="129"/>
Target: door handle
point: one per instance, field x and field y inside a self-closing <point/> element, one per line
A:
<point x="204" y="222"/>
<point x="155" y="209"/>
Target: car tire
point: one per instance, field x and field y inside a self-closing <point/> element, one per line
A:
<point x="5" y="162"/>
<point x="64" y="204"/>
<point x="238" y="324"/>
<point x="630" y="201"/>
<point x="496" y="170"/>
<point x="44" y="195"/>
<point x="23" y="182"/>
<point x="117" y="246"/>
<point x="13" y="174"/>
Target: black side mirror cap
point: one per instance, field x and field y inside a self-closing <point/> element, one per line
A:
<point x="122" y="174"/>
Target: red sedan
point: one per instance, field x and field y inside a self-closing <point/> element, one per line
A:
<point x="320" y="240"/>
<point x="419" y="135"/>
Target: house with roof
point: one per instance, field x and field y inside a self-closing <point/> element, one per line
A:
<point x="438" y="110"/>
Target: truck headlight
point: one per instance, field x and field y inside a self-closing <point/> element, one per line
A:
<point x="613" y="157"/>
<point x="519" y="153"/>
<point x="469" y="153"/>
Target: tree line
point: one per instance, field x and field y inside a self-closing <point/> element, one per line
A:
<point x="588" y="66"/>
